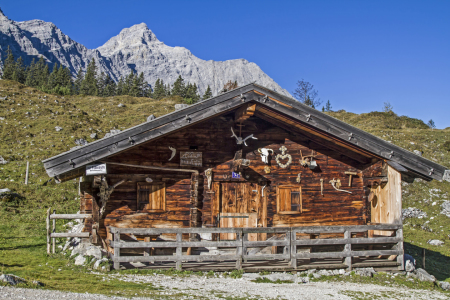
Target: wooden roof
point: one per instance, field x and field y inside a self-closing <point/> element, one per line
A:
<point x="278" y="108"/>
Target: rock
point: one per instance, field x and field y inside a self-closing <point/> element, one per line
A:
<point x="412" y="212"/>
<point x="417" y="152"/>
<point x="12" y="279"/>
<point x="98" y="262"/>
<point x="3" y="161"/>
<point x="445" y="206"/>
<point x="366" y="272"/>
<point x="435" y="242"/>
<point x="423" y="275"/>
<point x="444" y="285"/>
<point x="121" y="105"/>
<point x="409" y="266"/>
<point x="151" y="118"/>
<point x="80" y="260"/>
<point x="94" y="251"/>
<point x="4" y="191"/>
<point x="81" y="142"/>
<point x="280" y="276"/>
<point x="93" y="135"/>
<point x="311" y="271"/>
<point x="303" y="280"/>
<point x="316" y="275"/>
<point x="112" y="132"/>
<point x="325" y="272"/>
<point x="181" y="106"/>
<point x="38" y="283"/>
<point x="57" y="128"/>
<point x="341" y="271"/>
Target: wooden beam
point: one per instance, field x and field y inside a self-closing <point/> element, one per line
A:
<point x="244" y="112"/>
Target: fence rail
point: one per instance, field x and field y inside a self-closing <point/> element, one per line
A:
<point x="52" y="234"/>
<point x="286" y="237"/>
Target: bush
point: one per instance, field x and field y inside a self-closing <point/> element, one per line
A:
<point x="446" y="145"/>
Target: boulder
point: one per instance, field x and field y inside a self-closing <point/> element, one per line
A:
<point x="98" y="262"/>
<point x="445" y="206"/>
<point x="3" y="161"/>
<point x="366" y="272"/>
<point x="180" y="106"/>
<point x="444" y="285"/>
<point x="80" y="260"/>
<point x="423" y="275"/>
<point x="5" y="191"/>
<point x="409" y="267"/>
<point x="81" y="142"/>
<point x="93" y="135"/>
<point x="12" y="279"/>
<point x="435" y="242"/>
<point x="38" y="283"/>
<point x="417" y="152"/>
<point x="121" y="105"/>
<point x="151" y="118"/>
<point x="57" y="128"/>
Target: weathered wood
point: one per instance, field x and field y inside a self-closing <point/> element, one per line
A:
<point x="70" y="234"/>
<point x="70" y="216"/>
<point x="348" y="249"/>
<point x="54" y="231"/>
<point x="48" y="230"/>
<point x="400" y="257"/>
<point x="116" y="259"/>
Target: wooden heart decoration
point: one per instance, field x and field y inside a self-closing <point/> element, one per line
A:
<point x="283" y="156"/>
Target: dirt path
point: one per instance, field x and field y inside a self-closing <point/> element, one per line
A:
<point x="194" y="287"/>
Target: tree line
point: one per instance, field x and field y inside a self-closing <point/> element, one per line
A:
<point x="59" y="81"/>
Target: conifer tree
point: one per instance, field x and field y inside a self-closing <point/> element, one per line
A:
<point x="19" y="71"/>
<point x="78" y="81"/>
<point x="328" y="106"/>
<point x="179" y="88"/>
<point x="52" y="79"/>
<point x="30" y="80"/>
<point x="110" y="89"/>
<point x="159" y="91"/>
<point x="89" y="83"/>
<point x="9" y="65"/>
<point x="207" y="94"/>
<point x="120" y="85"/>
<point x="41" y="73"/>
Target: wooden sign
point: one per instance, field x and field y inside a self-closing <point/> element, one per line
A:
<point x="96" y="169"/>
<point x="190" y="159"/>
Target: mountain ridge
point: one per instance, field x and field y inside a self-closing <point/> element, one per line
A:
<point x="135" y="48"/>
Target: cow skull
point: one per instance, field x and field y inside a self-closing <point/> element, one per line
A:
<point x="265" y="154"/>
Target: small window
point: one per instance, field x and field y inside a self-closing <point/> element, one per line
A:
<point x="289" y="199"/>
<point x="151" y="197"/>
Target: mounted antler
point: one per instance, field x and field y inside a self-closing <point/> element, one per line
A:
<point x="241" y="141"/>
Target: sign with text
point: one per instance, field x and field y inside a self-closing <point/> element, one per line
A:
<point x="235" y="175"/>
<point x="96" y="169"/>
<point x="190" y="158"/>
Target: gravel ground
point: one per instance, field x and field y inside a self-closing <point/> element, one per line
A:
<point x="218" y="288"/>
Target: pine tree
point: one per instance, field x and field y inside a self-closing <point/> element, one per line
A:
<point x="52" y="79"/>
<point x="89" y="83"/>
<point x="78" y="81"/>
<point x="101" y="84"/>
<point x="41" y="73"/>
<point x="179" y="88"/>
<point x="207" y="94"/>
<point x="119" y="90"/>
<point x="31" y="76"/>
<point x="19" y="71"/>
<point x="110" y="89"/>
<point x="9" y="65"/>
<point x="328" y="106"/>
<point x="159" y="91"/>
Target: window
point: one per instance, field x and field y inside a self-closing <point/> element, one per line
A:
<point x="151" y="197"/>
<point x="289" y="199"/>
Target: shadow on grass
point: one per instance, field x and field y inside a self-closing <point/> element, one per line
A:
<point x="22" y="247"/>
<point x="435" y="263"/>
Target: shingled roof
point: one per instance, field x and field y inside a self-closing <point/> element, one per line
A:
<point x="70" y="164"/>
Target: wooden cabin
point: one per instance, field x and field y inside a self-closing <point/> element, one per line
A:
<point x="273" y="172"/>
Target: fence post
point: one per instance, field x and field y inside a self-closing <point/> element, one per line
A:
<point x="244" y="248"/>
<point x="348" y="250"/>
<point x="54" y="230"/>
<point x="48" y="230"/>
<point x="26" y="173"/>
<point x="292" y="239"/>
<point x="400" y="259"/>
<point x="179" y="251"/>
<point x="239" y="249"/>
<point x="116" y="234"/>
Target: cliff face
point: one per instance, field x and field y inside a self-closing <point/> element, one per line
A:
<point x="135" y="48"/>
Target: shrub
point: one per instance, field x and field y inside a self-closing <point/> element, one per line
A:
<point x="446" y="145"/>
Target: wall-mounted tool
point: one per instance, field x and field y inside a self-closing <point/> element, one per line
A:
<point x="208" y="174"/>
<point x="337" y="184"/>
<point x="321" y="186"/>
<point x="283" y="155"/>
<point x="299" y="178"/>
<point x="351" y="174"/>
<point x="308" y="160"/>
<point x="265" y="154"/>
<point x="240" y="140"/>
<point x="174" y="151"/>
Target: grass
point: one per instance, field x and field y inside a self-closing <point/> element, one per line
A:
<point x="27" y="130"/>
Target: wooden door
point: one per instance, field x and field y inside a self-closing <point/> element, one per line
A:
<point x="241" y="205"/>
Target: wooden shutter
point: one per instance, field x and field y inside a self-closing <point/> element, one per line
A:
<point x="151" y="197"/>
<point x="289" y="199"/>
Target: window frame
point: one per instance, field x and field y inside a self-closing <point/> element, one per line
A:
<point x="162" y="192"/>
<point x="296" y="188"/>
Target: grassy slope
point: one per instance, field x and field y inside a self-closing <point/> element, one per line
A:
<point x="32" y="137"/>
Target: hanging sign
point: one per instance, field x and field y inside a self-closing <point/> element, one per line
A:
<point x="235" y="175"/>
<point x="96" y="169"/>
<point x="190" y="158"/>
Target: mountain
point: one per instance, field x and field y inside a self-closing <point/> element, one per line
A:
<point x="136" y="48"/>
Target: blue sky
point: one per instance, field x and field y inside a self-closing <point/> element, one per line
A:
<point x="358" y="54"/>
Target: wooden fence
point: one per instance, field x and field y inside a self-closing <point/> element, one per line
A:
<point x="52" y="234"/>
<point x="290" y="240"/>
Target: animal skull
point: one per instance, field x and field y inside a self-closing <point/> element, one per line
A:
<point x="265" y="154"/>
<point x="240" y="140"/>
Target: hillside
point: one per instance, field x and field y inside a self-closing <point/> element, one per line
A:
<point x="28" y="119"/>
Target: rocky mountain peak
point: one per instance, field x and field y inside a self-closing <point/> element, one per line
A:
<point x="2" y="15"/>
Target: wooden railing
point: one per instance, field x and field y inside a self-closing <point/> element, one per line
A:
<point x="288" y="240"/>
<point x="52" y="234"/>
